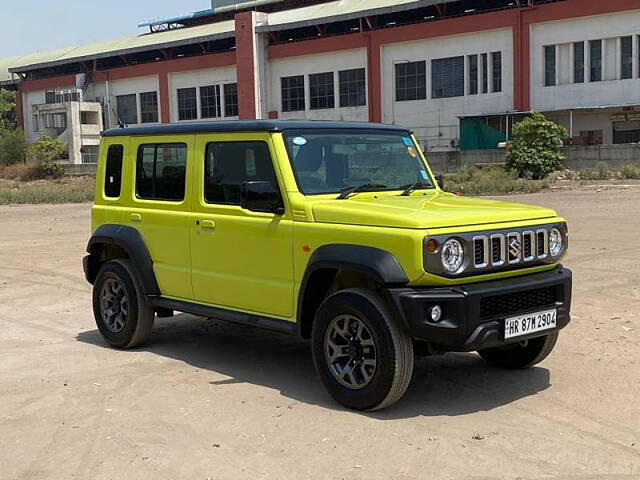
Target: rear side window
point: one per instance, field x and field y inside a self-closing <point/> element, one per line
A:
<point x="113" y="171"/>
<point x="228" y="164"/>
<point x="160" y="171"/>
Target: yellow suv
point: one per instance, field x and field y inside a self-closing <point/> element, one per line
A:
<point x="332" y="231"/>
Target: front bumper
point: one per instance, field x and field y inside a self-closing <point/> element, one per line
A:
<point x="473" y="314"/>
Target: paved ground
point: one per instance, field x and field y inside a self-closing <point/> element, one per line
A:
<point x="211" y="400"/>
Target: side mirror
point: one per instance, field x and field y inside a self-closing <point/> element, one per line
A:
<point x="440" y="180"/>
<point x="261" y="196"/>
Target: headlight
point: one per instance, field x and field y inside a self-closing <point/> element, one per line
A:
<point x="555" y="242"/>
<point x="452" y="255"/>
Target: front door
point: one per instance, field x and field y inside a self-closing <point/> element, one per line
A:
<point x="241" y="260"/>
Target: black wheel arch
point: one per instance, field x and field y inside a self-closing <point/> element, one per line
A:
<point x="378" y="265"/>
<point x="125" y="241"/>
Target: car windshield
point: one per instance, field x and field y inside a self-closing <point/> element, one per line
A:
<point x="329" y="161"/>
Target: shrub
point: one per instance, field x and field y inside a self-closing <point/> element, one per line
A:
<point x="630" y="172"/>
<point x="494" y="180"/>
<point x="51" y="169"/>
<point x="600" y="172"/>
<point x="536" y="148"/>
<point x="13" y="145"/>
<point x="46" y="149"/>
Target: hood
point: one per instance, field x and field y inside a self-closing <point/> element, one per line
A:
<point x="434" y="210"/>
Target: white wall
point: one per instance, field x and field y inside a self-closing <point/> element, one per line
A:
<point x="435" y="121"/>
<point x="565" y="32"/>
<point x="29" y="100"/>
<point x="310" y="64"/>
<point x="199" y="78"/>
<point x="132" y="86"/>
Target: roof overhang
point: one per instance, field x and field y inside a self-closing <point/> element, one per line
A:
<point x="340" y="11"/>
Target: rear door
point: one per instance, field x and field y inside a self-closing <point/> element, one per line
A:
<point x="240" y="259"/>
<point x="160" y="206"/>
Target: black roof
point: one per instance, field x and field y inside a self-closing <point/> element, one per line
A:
<point x="244" y="126"/>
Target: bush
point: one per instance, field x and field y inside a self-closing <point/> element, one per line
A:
<point x="46" y="149"/>
<point x="629" y="172"/>
<point x="13" y="145"/>
<point x="51" y="169"/>
<point x="536" y="148"/>
<point x="494" y="180"/>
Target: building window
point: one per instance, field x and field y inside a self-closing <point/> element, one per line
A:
<point x="34" y="118"/>
<point x="149" y="107"/>
<point x="210" y="102"/>
<point x="321" y="91"/>
<point x="113" y="171"/>
<point x="160" y="171"/>
<point x="230" y="99"/>
<point x="90" y="153"/>
<point x="127" y="108"/>
<point x="55" y="120"/>
<point x="549" y="65"/>
<point x="228" y="164"/>
<point x="187" y="104"/>
<point x="447" y="77"/>
<point x="353" y="88"/>
<point x="496" y="71"/>
<point x="411" y="81"/>
<point x="485" y="73"/>
<point x="595" y="60"/>
<point x="473" y="74"/>
<point x="626" y="52"/>
<point x="293" y="93"/>
<point x="578" y="62"/>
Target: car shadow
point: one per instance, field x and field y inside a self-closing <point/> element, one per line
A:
<point x="447" y="385"/>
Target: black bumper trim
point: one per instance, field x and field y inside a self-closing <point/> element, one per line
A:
<point x="462" y="327"/>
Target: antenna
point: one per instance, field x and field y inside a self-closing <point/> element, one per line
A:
<point x="121" y="124"/>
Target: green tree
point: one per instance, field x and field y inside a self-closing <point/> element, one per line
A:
<point x="13" y="145"/>
<point x="7" y="110"/>
<point x="536" y="148"/>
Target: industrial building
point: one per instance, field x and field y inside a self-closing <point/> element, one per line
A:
<point x="460" y="73"/>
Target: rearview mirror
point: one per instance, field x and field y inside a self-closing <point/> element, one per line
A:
<point x="440" y="180"/>
<point x="260" y="196"/>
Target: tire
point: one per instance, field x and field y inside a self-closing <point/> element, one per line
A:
<point x="361" y="378"/>
<point x="122" y="312"/>
<point x="518" y="356"/>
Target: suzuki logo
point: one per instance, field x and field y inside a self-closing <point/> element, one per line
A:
<point x="514" y="248"/>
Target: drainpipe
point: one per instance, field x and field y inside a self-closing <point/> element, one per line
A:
<point x="108" y="104"/>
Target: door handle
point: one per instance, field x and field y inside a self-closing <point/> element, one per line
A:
<point x="135" y="217"/>
<point x="208" y="224"/>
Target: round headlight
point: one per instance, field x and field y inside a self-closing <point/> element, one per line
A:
<point x="452" y="255"/>
<point x="555" y="242"/>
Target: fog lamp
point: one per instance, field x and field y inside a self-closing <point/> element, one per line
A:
<point x="435" y="313"/>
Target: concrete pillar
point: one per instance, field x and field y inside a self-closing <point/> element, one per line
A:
<point x="250" y="62"/>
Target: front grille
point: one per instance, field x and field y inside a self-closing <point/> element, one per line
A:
<point x="510" y="248"/>
<point x="510" y="303"/>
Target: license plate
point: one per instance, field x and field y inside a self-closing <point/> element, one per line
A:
<point x="529" y="323"/>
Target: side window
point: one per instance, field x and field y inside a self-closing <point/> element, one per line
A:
<point x="228" y="164"/>
<point x="160" y="171"/>
<point x="113" y="171"/>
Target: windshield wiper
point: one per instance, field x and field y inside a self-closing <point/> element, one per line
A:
<point x="414" y="186"/>
<point x="345" y="192"/>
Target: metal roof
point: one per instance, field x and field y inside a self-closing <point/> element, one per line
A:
<point x="339" y="11"/>
<point x="123" y="46"/>
<point x="245" y="126"/>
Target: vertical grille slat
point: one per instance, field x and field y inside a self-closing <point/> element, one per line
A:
<point x="480" y="251"/>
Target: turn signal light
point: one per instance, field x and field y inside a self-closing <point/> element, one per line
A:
<point x="432" y="245"/>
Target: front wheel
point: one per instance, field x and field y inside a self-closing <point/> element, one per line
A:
<point x="361" y="355"/>
<point x="522" y="354"/>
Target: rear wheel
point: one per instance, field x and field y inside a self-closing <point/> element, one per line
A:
<point x="363" y="358"/>
<point x="522" y="354"/>
<point x="122" y="312"/>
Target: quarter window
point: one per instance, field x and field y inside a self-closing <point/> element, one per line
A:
<point x="210" y="101"/>
<point x="187" y="104"/>
<point x="160" y="171"/>
<point x="353" y="91"/>
<point x="293" y="93"/>
<point x="228" y="164"/>
<point x="321" y="91"/>
<point x="149" y="107"/>
<point x="113" y="171"/>
<point x="411" y="81"/>
<point x="447" y="77"/>
<point x="231" y="100"/>
<point x="127" y="108"/>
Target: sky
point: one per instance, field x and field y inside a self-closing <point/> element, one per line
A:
<point x="29" y="26"/>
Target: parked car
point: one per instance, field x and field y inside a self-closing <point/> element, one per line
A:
<point x="336" y="232"/>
